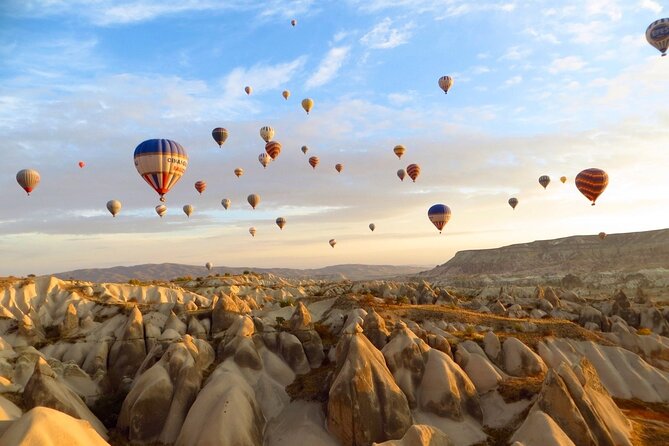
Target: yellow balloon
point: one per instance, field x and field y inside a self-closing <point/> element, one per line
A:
<point x="307" y="104"/>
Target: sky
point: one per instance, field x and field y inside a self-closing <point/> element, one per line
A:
<point x="540" y="88"/>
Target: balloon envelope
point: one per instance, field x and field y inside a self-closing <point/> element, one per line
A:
<point x="226" y="202"/>
<point x="332" y="242"/>
<point x="281" y="222"/>
<point x="293" y="22"/>
<point x="266" y="133"/>
<point x="413" y="170"/>
<point x="401" y="174"/>
<point x="188" y="210"/>
<point x="248" y="89"/>
<point x="254" y="200"/>
<point x="513" y="202"/>
<point x="285" y="94"/>
<point x="307" y="104"/>
<point x="591" y="183"/>
<point x="563" y="179"/>
<point x="114" y="207"/>
<point x="200" y="186"/>
<point x="602" y="235"/>
<point x="220" y="135"/>
<point x="544" y="180"/>
<point x="273" y="149"/>
<point x="28" y="179"/>
<point x="161" y="162"/>
<point x="81" y="164"/>
<point x="161" y="210"/>
<point x="305" y="149"/>
<point x="445" y="83"/>
<point x="372" y="226"/>
<point x="399" y="150"/>
<point x="208" y="265"/>
<point x="439" y="215"/>
<point x="239" y="172"/>
<point x="252" y="231"/>
<point x="264" y="159"/>
<point x="339" y="167"/>
<point x="314" y="161"/>
<point x="657" y="34"/>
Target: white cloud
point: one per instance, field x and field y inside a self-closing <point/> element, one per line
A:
<point x="568" y="63"/>
<point x="650" y="5"/>
<point x="513" y="81"/>
<point x="384" y="36"/>
<point x="480" y="69"/>
<point x="438" y="8"/>
<point x="260" y="77"/>
<point x="328" y="67"/>
<point x="516" y="53"/>
<point x="587" y="33"/>
<point x="399" y="99"/>
<point x="608" y="8"/>
<point x="542" y="36"/>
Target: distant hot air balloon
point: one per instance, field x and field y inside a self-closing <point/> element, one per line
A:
<point x="339" y="167"/>
<point x="161" y="210"/>
<point x="544" y="180"/>
<point x="372" y="226"/>
<point x="439" y="215"/>
<point x="114" y="207"/>
<point x="248" y="90"/>
<point x="200" y="186"/>
<point x="220" y="135"/>
<point x="332" y="242"/>
<point x="563" y="179"/>
<point x="28" y="179"/>
<point x="293" y="22"/>
<point x="239" y="172"/>
<point x="313" y="161"/>
<point x="602" y="235"/>
<point x="161" y="163"/>
<point x="591" y="183"/>
<point x="513" y="202"/>
<point x="445" y="83"/>
<point x="413" y="170"/>
<point x="226" y="202"/>
<point x="188" y="210"/>
<point x="273" y="149"/>
<point x="254" y="200"/>
<point x="209" y="266"/>
<point x="305" y="149"/>
<point x="81" y="164"/>
<point x="266" y="133"/>
<point x="281" y="222"/>
<point x="252" y="231"/>
<point x="264" y="159"/>
<point x="285" y="94"/>
<point x="401" y="174"/>
<point x="657" y="34"/>
<point x="307" y="104"/>
<point x="399" y="150"/>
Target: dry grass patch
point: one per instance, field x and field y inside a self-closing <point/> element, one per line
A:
<point x="312" y="386"/>
<point x="516" y="389"/>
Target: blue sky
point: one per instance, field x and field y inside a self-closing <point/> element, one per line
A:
<point x="540" y="88"/>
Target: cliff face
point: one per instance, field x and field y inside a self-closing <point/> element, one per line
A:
<point x="630" y="252"/>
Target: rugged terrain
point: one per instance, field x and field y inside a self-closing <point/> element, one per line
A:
<point x="257" y="359"/>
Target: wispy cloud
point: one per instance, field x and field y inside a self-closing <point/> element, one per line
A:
<point x="516" y="53"/>
<point x="260" y="77"/>
<point x="650" y="5"/>
<point x="328" y="67"/>
<point x="384" y="36"/>
<point x="568" y="63"/>
<point x="438" y="8"/>
<point x="515" y="80"/>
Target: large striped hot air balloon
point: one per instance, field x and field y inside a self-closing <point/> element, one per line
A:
<point x="281" y="222"/>
<point x="264" y="159"/>
<point x="266" y="133"/>
<point x="439" y="215"/>
<point x="28" y="179"/>
<point x="657" y="34"/>
<point x="445" y="83"/>
<point x="544" y="180"/>
<point x="200" y="186"/>
<point x="161" y="163"/>
<point x="273" y="148"/>
<point x="220" y="135"/>
<point x="399" y="150"/>
<point x="413" y="170"/>
<point x="401" y="174"/>
<point x="591" y="183"/>
<point x="254" y="200"/>
<point x="513" y="202"/>
<point x="114" y="207"/>
<point x="314" y="161"/>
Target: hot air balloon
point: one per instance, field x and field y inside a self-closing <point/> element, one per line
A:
<point x="28" y="179"/>
<point x="252" y="231"/>
<point x="513" y="202"/>
<point x="220" y="135"/>
<point x="248" y="90"/>
<point x="209" y="266"/>
<point x="200" y="186"/>
<point x="339" y="167"/>
<point x="226" y="202"/>
<point x="591" y="183"/>
<point x="313" y="161"/>
<point x="239" y="172"/>
<point x="305" y="149"/>
<point x="399" y="150"/>
<point x="81" y="164"/>
<point x="254" y="200"/>
<point x="273" y="148"/>
<point x="332" y="242"/>
<point x="161" y="210"/>
<point x="602" y="235"/>
<point x="372" y="226"/>
<point x="264" y="159"/>
<point x="161" y="163"/>
<point x="285" y="94"/>
<point x="293" y="22"/>
<point x="281" y="222"/>
<point x="563" y="179"/>
<point x="307" y="104"/>
<point x="544" y="180"/>
<point x="114" y="207"/>
<point x="266" y="133"/>
<point x="445" y="83"/>
<point x="188" y="210"/>
<point x="657" y="34"/>
<point x="413" y="170"/>
<point x="439" y="214"/>
<point x="401" y="174"/>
